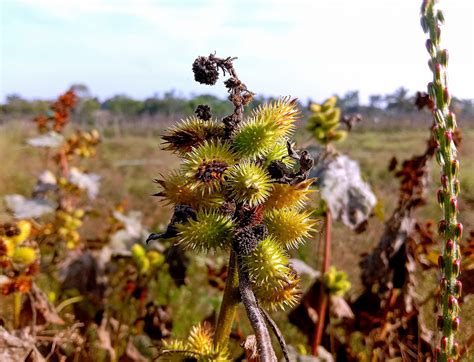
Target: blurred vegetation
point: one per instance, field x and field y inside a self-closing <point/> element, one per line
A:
<point x="396" y="105"/>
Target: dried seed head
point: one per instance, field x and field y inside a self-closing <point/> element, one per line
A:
<point x="203" y="111"/>
<point x="244" y="241"/>
<point x="205" y="71"/>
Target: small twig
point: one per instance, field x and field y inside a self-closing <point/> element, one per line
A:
<point x="278" y="334"/>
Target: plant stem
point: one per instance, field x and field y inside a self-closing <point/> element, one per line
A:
<point x="256" y="319"/>
<point x="17" y="309"/>
<point x="449" y="228"/>
<point x="323" y="296"/>
<point x="230" y="303"/>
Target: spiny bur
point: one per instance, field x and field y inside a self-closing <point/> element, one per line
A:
<point x="243" y="190"/>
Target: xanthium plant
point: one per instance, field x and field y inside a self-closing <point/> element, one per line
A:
<point x="241" y="187"/>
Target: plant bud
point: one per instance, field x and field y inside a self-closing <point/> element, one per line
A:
<point x="430" y="65"/>
<point x="443" y="284"/>
<point x="440" y="322"/>
<point x="437" y="73"/>
<point x="458" y="229"/>
<point x="446" y="96"/>
<point x="451" y="119"/>
<point x="437" y="33"/>
<point x="432" y="91"/>
<point x="457" y="289"/>
<point x="456" y="267"/>
<point x="444" y="181"/>
<point x="444" y="344"/>
<point x="440" y="16"/>
<point x="456" y="350"/>
<point x="453" y="304"/>
<point x="448" y="135"/>
<point x="449" y="247"/>
<point x="430" y="47"/>
<point x="454" y="204"/>
<point x="439" y="158"/>
<point x="443" y="57"/>
<point x="424" y="25"/>
<point x="440" y="195"/>
<point x="441" y="262"/>
<point x="457" y="187"/>
<point x="442" y="227"/>
<point x="455" y="324"/>
<point x="454" y="167"/>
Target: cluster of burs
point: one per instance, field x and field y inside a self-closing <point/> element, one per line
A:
<point x="243" y="192"/>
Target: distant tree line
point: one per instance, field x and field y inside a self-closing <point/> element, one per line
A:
<point x="173" y="105"/>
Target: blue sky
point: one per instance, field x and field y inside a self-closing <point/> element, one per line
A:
<point x="310" y="48"/>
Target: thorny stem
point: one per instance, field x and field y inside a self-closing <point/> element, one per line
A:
<point x="230" y="303"/>
<point x="324" y="298"/>
<point x="450" y="229"/>
<point x="264" y="343"/>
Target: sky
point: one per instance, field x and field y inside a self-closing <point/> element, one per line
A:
<point x="303" y="48"/>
